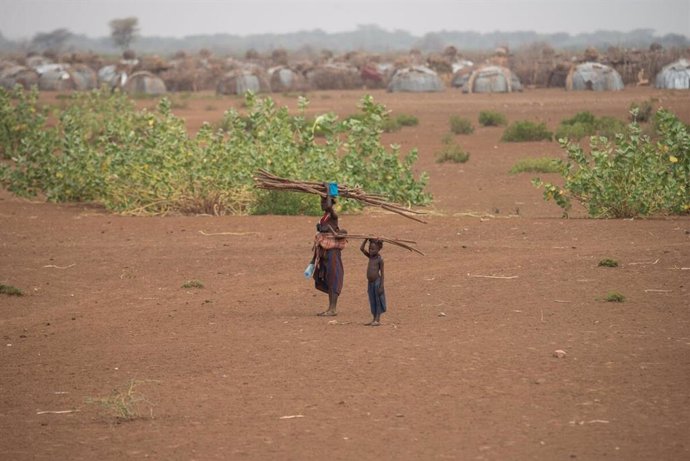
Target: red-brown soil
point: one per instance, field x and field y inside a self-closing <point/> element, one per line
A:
<point x="463" y="367"/>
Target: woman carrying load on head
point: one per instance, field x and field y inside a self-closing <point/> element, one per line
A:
<point x="328" y="263"/>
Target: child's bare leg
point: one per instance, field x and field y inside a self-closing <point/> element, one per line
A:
<point x="377" y="320"/>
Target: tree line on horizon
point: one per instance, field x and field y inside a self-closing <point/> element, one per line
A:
<point x="371" y="38"/>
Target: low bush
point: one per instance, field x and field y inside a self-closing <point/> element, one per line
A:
<point x="10" y="290"/>
<point x="492" y="118"/>
<point x="536" y="165"/>
<point x="635" y="176"/>
<point x="451" y="152"/>
<point x="100" y="148"/>
<point x="460" y="125"/>
<point x="608" y="263"/>
<point x="585" y="124"/>
<point x="525" y="130"/>
<point x="641" y="111"/>
<point x="614" y="297"/>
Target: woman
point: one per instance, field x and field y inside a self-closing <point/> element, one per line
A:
<point x="328" y="263"/>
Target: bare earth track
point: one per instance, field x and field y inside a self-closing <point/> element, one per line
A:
<point x="463" y="367"/>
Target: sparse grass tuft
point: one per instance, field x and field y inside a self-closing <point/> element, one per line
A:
<point x="536" y="165"/>
<point x="125" y="404"/>
<point x="525" y="131"/>
<point x="451" y="152"/>
<point x="460" y="125"/>
<point x="9" y="290"/>
<point x="614" y="297"/>
<point x="608" y="263"/>
<point x="492" y="118"/>
<point x="407" y="120"/>
<point x="193" y="284"/>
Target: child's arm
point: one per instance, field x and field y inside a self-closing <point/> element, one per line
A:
<point x="381" y="289"/>
<point x="361" y="248"/>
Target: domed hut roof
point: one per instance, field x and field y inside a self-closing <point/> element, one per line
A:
<point x="492" y="79"/>
<point x="593" y="76"/>
<point x="12" y="75"/>
<point x="674" y="76"/>
<point x="112" y="76"/>
<point x="55" y="77"/>
<point x="283" y="79"/>
<point x="241" y="81"/>
<point x="334" y="76"/>
<point x="84" y="77"/>
<point x="144" y="82"/>
<point x="417" y="79"/>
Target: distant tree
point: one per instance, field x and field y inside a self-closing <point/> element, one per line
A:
<point x="252" y="55"/>
<point x="50" y="41"/>
<point x="280" y="57"/>
<point x="123" y="31"/>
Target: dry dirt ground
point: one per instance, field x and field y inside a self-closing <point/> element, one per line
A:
<point x="463" y="367"/>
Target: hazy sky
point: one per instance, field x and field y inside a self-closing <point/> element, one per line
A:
<point x="178" y="18"/>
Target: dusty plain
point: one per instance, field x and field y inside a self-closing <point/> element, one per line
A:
<point x="462" y="367"/>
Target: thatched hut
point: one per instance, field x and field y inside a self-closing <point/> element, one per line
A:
<point x="675" y="76"/>
<point x="55" y="77"/>
<point x="144" y="82"/>
<point x="593" y="76"/>
<point x="492" y="79"/>
<point x="84" y="77"/>
<point x="462" y="70"/>
<point x="241" y="81"/>
<point x="334" y="76"/>
<point x="285" y="79"/>
<point x="13" y="74"/>
<point x="417" y="79"/>
<point x="112" y="76"/>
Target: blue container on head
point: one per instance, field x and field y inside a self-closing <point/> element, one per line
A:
<point x="333" y="189"/>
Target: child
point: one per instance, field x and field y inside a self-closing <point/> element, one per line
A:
<point x="377" y="295"/>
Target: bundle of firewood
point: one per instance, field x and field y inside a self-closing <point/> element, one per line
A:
<point x="406" y="244"/>
<point x="265" y="180"/>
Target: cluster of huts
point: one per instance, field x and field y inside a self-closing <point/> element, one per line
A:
<point x="230" y="76"/>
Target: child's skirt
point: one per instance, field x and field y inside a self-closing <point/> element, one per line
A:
<point x="377" y="302"/>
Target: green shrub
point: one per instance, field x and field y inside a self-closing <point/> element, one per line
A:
<point x="460" y="125"/>
<point x="609" y="127"/>
<point x="492" y="118"/>
<point x="101" y="148"/>
<point x="525" y="130"/>
<point x="585" y="124"/>
<point x="636" y="176"/>
<point x="641" y="111"/>
<point x="575" y="131"/>
<point x="614" y="297"/>
<point x="287" y="203"/>
<point x="407" y="120"/>
<point x="536" y="165"/>
<point x="451" y="152"/>
<point x="193" y="284"/>
<point x="608" y="263"/>
<point x="9" y="290"/>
